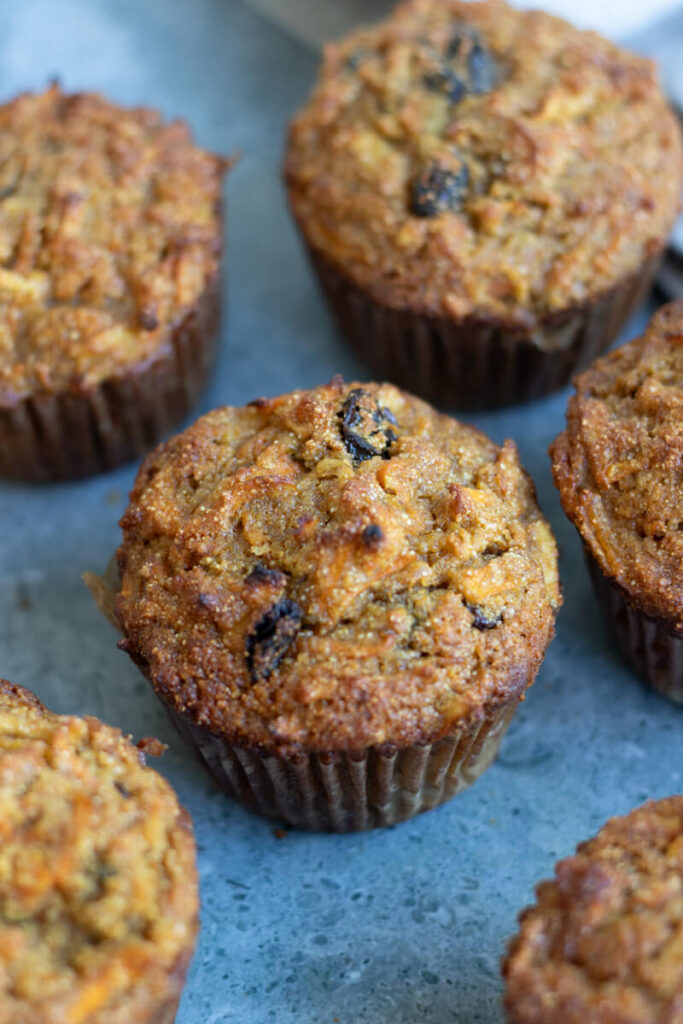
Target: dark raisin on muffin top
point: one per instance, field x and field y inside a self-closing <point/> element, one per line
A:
<point x="336" y="567"/>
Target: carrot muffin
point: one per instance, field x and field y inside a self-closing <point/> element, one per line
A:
<point x="617" y="467"/>
<point x="485" y="194"/>
<point x="340" y="596"/>
<point x="110" y="238"/>
<point x="602" y="945"/>
<point x="98" y="888"/>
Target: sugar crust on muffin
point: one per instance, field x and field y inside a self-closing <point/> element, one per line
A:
<point x="333" y="569"/>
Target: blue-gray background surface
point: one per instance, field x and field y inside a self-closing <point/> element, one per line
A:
<point x="405" y="925"/>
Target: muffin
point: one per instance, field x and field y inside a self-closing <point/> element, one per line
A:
<point x="110" y="238"/>
<point x="340" y="596"/>
<point x="485" y="194"/>
<point x="98" y="888"/>
<point x="602" y="944"/>
<point x="617" y="468"/>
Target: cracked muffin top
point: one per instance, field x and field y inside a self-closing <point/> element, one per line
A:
<point x="617" y="464"/>
<point x="603" y="943"/>
<point x="333" y="569"/>
<point x="468" y="158"/>
<point x="110" y="233"/>
<point x="98" y="891"/>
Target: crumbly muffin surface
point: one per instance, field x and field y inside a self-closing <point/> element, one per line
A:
<point x="618" y="464"/>
<point x="109" y="235"/>
<point x="335" y="568"/>
<point x="98" y="895"/>
<point x="468" y="158"/>
<point x="603" y="943"/>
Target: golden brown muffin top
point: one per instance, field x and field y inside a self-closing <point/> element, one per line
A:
<point x="468" y="158"/>
<point x="335" y="568"/>
<point x="604" y="942"/>
<point x="109" y="234"/>
<point x="98" y="889"/>
<point x="618" y="464"/>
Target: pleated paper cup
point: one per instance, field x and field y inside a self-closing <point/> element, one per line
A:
<point x="477" y="362"/>
<point x="650" y="643"/>
<point x="350" y="791"/>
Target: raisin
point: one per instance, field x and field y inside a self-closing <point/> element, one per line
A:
<point x="148" y="320"/>
<point x="482" y="70"/>
<point x="437" y="190"/>
<point x="475" y="63"/>
<point x="372" y="536"/>
<point x="271" y="637"/>
<point x="8" y="190"/>
<point x="364" y="427"/>
<point x="123" y="789"/>
<point x="445" y="80"/>
<point x="259" y="574"/>
<point x="481" y="620"/>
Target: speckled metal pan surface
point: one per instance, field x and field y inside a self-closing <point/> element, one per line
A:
<point x="475" y="363"/>
<point x="78" y="433"/>
<point x="649" y="643"/>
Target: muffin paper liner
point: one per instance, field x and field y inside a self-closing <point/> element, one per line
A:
<point x="335" y="791"/>
<point x="478" y="363"/>
<point x="77" y="433"/>
<point x="650" y="643"/>
<point x="350" y="791"/>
